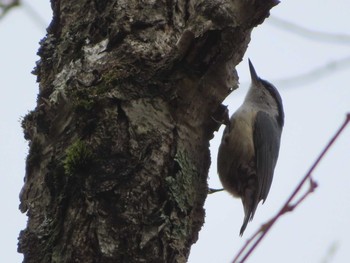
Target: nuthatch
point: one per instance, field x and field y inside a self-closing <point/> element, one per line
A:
<point x="250" y="144"/>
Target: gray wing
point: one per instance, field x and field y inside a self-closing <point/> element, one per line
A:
<point x="267" y="136"/>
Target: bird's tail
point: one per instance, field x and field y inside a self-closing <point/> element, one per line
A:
<point x="250" y="203"/>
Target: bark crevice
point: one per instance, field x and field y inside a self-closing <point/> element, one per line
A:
<point x="129" y="97"/>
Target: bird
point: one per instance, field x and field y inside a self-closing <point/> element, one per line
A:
<point x="250" y="145"/>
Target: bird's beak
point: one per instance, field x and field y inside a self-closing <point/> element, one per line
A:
<point x="253" y="75"/>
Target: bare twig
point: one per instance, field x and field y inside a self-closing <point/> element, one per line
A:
<point x="310" y="33"/>
<point x="5" y="6"/>
<point x="34" y="15"/>
<point x="253" y="242"/>
<point x="314" y="74"/>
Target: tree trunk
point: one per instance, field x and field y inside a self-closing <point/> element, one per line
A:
<point x="130" y="96"/>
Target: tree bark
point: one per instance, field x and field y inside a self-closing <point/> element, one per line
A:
<point x="130" y="96"/>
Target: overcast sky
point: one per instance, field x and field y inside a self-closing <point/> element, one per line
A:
<point x="315" y="107"/>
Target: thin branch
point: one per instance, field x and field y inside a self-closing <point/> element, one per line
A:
<point x="36" y="17"/>
<point x="5" y="6"/>
<point x="313" y="186"/>
<point x="288" y="206"/>
<point x="314" y="74"/>
<point x="309" y="33"/>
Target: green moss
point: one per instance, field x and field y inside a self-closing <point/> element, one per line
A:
<point x="102" y="89"/>
<point x="83" y="105"/>
<point x="78" y="158"/>
<point x="86" y="100"/>
<point x="181" y="186"/>
<point x="83" y="101"/>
